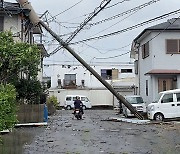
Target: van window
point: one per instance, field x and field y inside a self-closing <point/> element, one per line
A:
<point x="74" y="98"/>
<point x="84" y="99"/>
<point x="178" y="97"/>
<point x="167" y="98"/>
<point x="68" y="98"/>
<point x="135" y="100"/>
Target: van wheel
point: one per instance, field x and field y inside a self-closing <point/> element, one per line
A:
<point x="84" y="107"/>
<point x="68" y="107"/>
<point x="159" y="117"/>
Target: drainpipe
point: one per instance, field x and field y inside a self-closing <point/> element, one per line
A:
<point x="35" y="20"/>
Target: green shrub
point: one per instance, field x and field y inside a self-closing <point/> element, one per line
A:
<point x="7" y="106"/>
<point x="53" y="100"/>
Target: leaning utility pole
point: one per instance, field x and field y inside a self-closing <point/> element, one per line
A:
<point x="35" y="20"/>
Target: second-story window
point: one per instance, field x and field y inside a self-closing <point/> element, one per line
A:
<point x="126" y="70"/>
<point x="172" y="46"/>
<point x="145" y="50"/>
<point x="1" y="23"/>
<point x="106" y="74"/>
<point x="70" y="80"/>
<point x="109" y="74"/>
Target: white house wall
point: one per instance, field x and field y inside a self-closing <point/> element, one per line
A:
<point x="144" y="66"/>
<point x="161" y="60"/>
<point x="13" y="24"/>
<point x="83" y="74"/>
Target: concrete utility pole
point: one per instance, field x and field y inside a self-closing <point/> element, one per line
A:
<point x="35" y="20"/>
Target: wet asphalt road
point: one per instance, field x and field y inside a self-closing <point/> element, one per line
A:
<point x="93" y="135"/>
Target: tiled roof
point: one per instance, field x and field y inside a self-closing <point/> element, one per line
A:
<point x="162" y="71"/>
<point x="170" y="25"/>
<point x="12" y="8"/>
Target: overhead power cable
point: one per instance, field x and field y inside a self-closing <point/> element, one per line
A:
<point x="116" y="55"/>
<point x="103" y="4"/>
<point x="116" y="4"/>
<point x="66" y="10"/>
<point x="129" y="28"/>
<point x="170" y="23"/>
<point x="124" y="13"/>
<point x="84" y="15"/>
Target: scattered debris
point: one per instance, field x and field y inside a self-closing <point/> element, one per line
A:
<point x="135" y="121"/>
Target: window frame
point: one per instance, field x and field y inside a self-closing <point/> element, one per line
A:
<point x="168" y="98"/>
<point x="106" y="75"/>
<point x="177" y="45"/>
<point x="126" y="70"/>
<point x="145" y="50"/>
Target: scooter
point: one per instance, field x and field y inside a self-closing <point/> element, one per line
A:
<point x="78" y="114"/>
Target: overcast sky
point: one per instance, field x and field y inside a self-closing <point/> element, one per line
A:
<point x="95" y="51"/>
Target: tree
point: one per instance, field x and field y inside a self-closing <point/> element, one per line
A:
<point x="18" y="63"/>
<point x="17" y="58"/>
<point x="7" y="106"/>
<point x="29" y="90"/>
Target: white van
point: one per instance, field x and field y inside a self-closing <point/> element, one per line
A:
<point x="166" y="106"/>
<point x="137" y="102"/>
<point x="69" y="101"/>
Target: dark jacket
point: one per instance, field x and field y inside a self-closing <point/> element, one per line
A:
<point x="78" y="104"/>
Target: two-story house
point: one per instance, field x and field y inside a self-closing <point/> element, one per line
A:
<point x="76" y="79"/>
<point x="14" y="18"/>
<point x="156" y="51"/>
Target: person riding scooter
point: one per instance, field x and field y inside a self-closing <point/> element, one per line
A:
<point x="78" y="105"/>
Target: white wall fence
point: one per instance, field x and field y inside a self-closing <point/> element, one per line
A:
<point x="97" y="97"/>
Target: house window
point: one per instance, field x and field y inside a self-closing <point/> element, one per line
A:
<point x="145" y="50"/>
<point x="70" y="80"/>
<point x="147" y="88"/>
<point x="106" y="74"/>
<point x="136" y="66"/>
<point x="1" y="23"/>
<point x="164" y="85"/>
<point x="126" y="70"/>
<point x="173" y="46"/>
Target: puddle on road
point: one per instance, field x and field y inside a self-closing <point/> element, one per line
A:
<point x="13" y="142"/>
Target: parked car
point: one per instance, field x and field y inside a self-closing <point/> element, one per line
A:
<point x="137" y="102"/>
<point x="69" y="101"/>
<point x="166" y="106"/>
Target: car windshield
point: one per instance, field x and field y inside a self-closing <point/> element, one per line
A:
<point x="157" y="98"/>
<point x="134" y="100"/>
